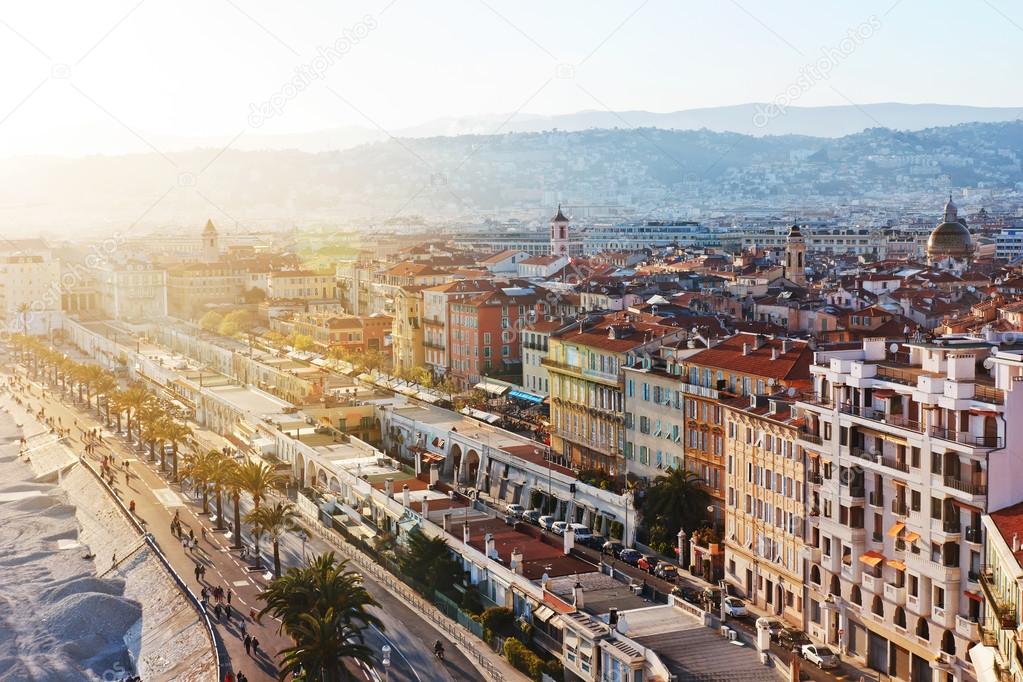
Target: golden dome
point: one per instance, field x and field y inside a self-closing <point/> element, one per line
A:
<point x="949" y="240"/>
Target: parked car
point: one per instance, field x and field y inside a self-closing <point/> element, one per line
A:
<point x="665" y="570"/>
<point x="594" y="541"/>
<point x="532" y="516"/>
<point x="612" y="547"/>
<point x="792" y="638"/>
<point x="516" y="510"/>
<point x="546" y="521"/>
<point x="647" y="563"/>
<point x="822" y="656"/>
<point x="735" y="607"/>
<point x="558" y="527"/>
<point x="581" y="531"/>
<point x="630" y="556"/>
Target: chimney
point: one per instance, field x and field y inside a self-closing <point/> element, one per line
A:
<point x="612" y="616"/>
<point x="447" y="521"/>
<point x="405" y="497"/>
<point x="465" y="533"/>
<point x="1015" y="542"/>
<point x="569" y="539"/>
<point x="516" y="561"/>
<point x="745" y="349"/>
<point x="389" y="487"/>
<point x="434" y="474"/>
<point x="774" y="353"/>
<point x="490" y="545"/>
<point x="425" y="507"/>
<point x="577" y="596"/>
<point x="784" y="346"/>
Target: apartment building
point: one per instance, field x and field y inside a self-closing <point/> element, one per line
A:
<point x="302" y="285"/>
<point x="1000" y="656"/>
<point x="485" y="338"/>
<point x="407" y="328"/>
<point x="765" y="512"/>
<point x="436" y="300"/>
<point x="30" y="294"/>
<point x="131" y="290"/>
<point x="742" y="365"/>
<point x="350" y="332"/>
<point x="536" y="339"/>
<point x="584" y="364"/>
<point x="907" y="447"/>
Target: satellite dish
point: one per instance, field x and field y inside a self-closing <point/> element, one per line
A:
<point x="791" y="392"/>
<point x="995" y="349"/>
<point x="770" y="382"/>
<point x="894" y="348"/>
<point x="988" y="363"/>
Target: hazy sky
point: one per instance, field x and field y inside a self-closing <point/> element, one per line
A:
<point x="114" y="75"/>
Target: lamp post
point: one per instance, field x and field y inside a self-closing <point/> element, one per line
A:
<point x="386" y="651"/>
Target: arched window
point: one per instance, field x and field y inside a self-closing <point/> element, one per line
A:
<point x="856" y="596"/>
<point x="815" y="575"/>
<point x="836" y="586"/>
<point x="948" y="643"/>
<point x="877" y="606"/>
<point x="922" y="628"/>
<point x="900" y="617"/>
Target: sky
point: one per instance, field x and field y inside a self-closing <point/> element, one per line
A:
<point x="110" y="76"/>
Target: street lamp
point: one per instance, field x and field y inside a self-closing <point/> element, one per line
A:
<point x="387" y="662"/>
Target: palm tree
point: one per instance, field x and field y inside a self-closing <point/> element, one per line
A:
<point x="673" y="502"/>
<point x="223" y="473"/>
<point x="23" y="311"/>
<point x="258" y="479"/>
<point x="104" y="384"/>
<point x="275" y="521"/>
<point x="175" y="433"/>
<point x="323" y="607"/>
<point x="198" y="467"/>
<point x="150" y="419"/>
<point x="135" y="399"/>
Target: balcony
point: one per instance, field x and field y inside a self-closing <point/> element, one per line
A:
<point x="814" y="479"/>
<point x="965" y="486"/>
<point x="876" y="498"/>
<point x="813" y="555"/>
<point x="965" y="627"/>
<point x="943" y="616"/>
<point x="900" y="508"/>
<point x="877" y="537"/>
<point x="891" y="462"/>
<point x="946" y="526"/>
<point x="896" y="595"/>
<point x="878" y="415"/>
<point x="1004" y="612"/>
<point x="966" y="438"/>
<point x="871" y="584"/>
<point x="855" y="492"/>
<point x="973" y="534"/>
<point x="989" y="394"/>
<point x="812" y="438"/>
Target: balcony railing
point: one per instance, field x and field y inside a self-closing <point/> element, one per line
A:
<point x="878" y="415"/>
<point x="876" y="498"/>
<point x="899" y="376"/>
<point x="1005" y="612"/>
<point x="815" y="479"/>
<point x="900" y="508"/>
<point x="965" y="486"/>
<point x="973" y="534"/>
<point x="810" y="437"/>
<point x="890" y="462"/>
<point x="989" y="394"/>
<point x="966" y="438"/>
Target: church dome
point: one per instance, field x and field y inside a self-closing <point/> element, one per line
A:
<point x="949" y="240"/>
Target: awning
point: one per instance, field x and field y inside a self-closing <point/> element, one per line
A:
<point x="983" y="413"/>
<point x="896" y="481"/>
<point x="871" y="558"/>
<point x="492" y="388"/>
<point x="896" y="564"/>
<point x="885" y="393"/>
<point x="812" y="455"/>
<point x="911" y="537"/>
<point x="975" y="596"/>
<point x="571" y="640"/>
<point x="983" y="658"/>
<point x="963" y="505"/>
<point x="543" y="614"/>
<point x="528" y="397"/>
<point x="896" y="529"/>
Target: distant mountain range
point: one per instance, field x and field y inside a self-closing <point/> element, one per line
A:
<point x="472" y="177"/>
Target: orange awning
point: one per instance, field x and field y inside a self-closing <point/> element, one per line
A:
<point x="975" y="596"/>
<point x="896" y="529"/>
<point x="912" y="537"/>
<point x="896" y="564"/>
<point x="896" y="481"/>
<point x="812" y="454"/>
<point x="872" y="558"/>
<point x="983" y="413"/>
<point x="885" y="393"/>
<point x="963" y="505"/>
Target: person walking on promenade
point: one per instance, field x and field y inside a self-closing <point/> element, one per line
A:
<point x="255" y="646"/>
<point x="197" y="571"/>
<point x="216" y="610"/>
<point x="229" y="595"/>
<point x="227" y="612"/>
<point x="248" y="644"/>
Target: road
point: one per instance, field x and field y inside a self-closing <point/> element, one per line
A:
<point x="156" y="500"/>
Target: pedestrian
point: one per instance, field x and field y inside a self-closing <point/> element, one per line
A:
<point x="203" y="572"/>
<point x="245" y="629"/>
<point x="197" y="573"/>
<point x="203" y="533"/>
<point x="248" y="644"/>
<point x="229" y="594"/>
<point x="227" y="612"/>
<point x="216" y="610"/>
<point x="242" y="678"/>
<point x="228" y="677"/>
<point x="255" y="646"/>
<point x="191" y="535"/>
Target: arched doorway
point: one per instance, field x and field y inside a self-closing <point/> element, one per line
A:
<point x="472" y="467"/>
<point x="335" y="485"/>
<point x="456" y="460"/>
<point x="948" y="643"/>
<point x="321" y="479"/>
<point x="300" y="467"/>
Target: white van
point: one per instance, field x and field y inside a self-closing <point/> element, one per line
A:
<point x="581" y="531"/>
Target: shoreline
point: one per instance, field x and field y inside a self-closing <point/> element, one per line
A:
<point x="131" y="613"/>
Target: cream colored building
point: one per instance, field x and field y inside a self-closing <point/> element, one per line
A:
<point x="765" y="506"/>
<point x="300" y="284"/>
<point x="407" y="328"/>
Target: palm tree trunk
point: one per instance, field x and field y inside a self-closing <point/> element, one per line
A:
<point x="237" y="521"/>
<point x="220" y="509"/>
<point x="277" y="558"/>
<point x="205" y="498"/>
<point x="163" y="458"/>
<point x="174" y="463"/>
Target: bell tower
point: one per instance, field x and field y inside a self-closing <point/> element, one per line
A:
<point x="795" y="257"/>
<point x="559" y="234"/>
<point x="210" y="245"/>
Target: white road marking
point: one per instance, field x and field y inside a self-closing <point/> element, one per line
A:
<point x="240" y="583"/>
<point x="168" y="497"/>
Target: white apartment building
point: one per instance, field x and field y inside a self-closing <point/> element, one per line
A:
<point x="907" y="448"/>
<point x="132" y="290"/>
<point x="30" y="293"/>
<point x="535" y="340"/>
